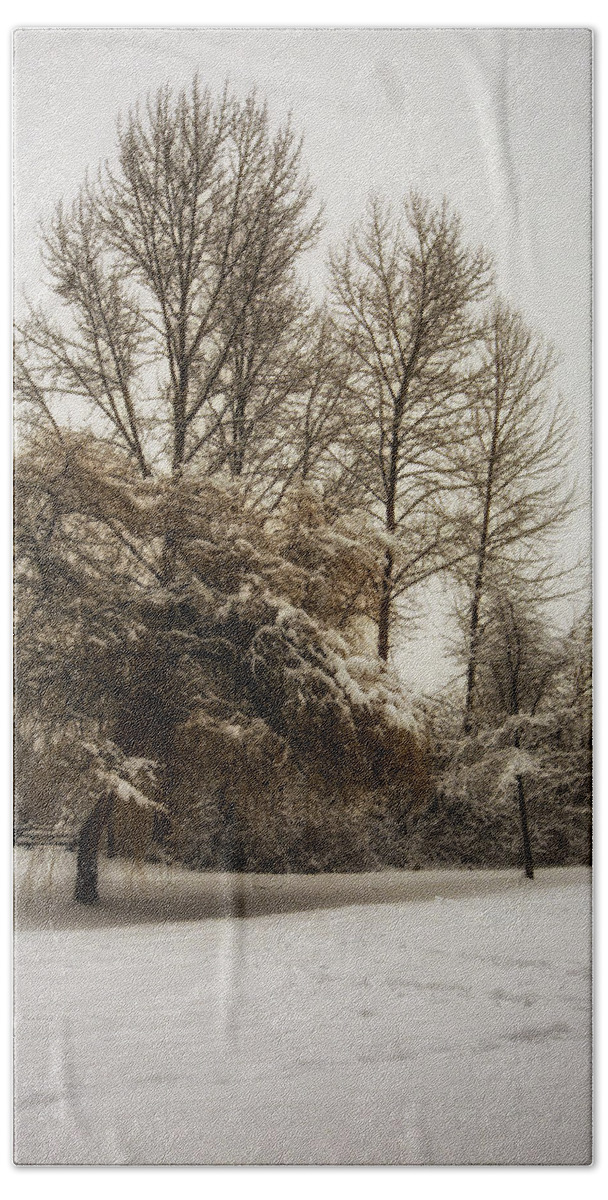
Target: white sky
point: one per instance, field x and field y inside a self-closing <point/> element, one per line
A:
<point x="496" y="120"/>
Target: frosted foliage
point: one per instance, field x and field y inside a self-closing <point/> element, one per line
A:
<point x="62" y="770"/>
<point x="222" y="665"/>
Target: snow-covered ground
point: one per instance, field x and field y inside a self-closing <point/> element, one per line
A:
<point x="425" y="1017"/>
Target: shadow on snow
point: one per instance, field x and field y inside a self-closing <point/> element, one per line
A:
<point x="132" y="893"/>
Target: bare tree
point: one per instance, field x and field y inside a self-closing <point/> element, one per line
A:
<point x="405" y="290"/>
<point x="511" y="467"/>
<point x="168" y="269"/>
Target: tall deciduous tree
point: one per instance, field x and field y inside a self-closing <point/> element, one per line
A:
<point x="406" y="288"/>
<point x="510" y="469"/>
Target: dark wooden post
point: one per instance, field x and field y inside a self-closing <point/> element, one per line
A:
<point x="525" y="833"/>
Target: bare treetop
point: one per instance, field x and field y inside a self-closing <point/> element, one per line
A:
<point x="406" y="288"/>
<point x="163" y="262"/>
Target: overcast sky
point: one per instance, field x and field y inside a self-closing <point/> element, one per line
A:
<point x="498" y="121"/>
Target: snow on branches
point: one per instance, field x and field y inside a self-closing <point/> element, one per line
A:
<point x="185" y="629"/>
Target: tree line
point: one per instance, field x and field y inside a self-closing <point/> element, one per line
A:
<point x="223" y="486"/>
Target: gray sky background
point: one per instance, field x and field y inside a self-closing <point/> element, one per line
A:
<point x="498" y="121"/>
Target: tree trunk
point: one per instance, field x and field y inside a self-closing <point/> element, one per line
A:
<point x="88" y="850"/>
<point x="525" y="833"/>
<point x="233" y="854"/>
<point x="473" y="650"/>
<point x="482" y="551"/>
<point x="390" y="525"/>
<point x="384" y="609"/>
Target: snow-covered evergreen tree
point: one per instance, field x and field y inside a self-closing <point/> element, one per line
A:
<point x="231" y="669"/>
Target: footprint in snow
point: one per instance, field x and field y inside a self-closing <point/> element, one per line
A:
<point x="526" y="1001"/>
<point x="538" y="1033"/>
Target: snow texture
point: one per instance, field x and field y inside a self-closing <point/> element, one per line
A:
<point x="403" y="1017"/>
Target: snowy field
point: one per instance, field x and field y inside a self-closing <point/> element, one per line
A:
<point x="404" y="1017"/>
